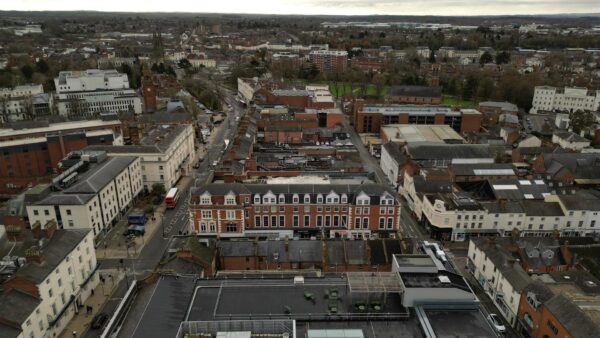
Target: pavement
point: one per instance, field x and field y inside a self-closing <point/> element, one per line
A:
<point x="408" y="227"/>
<point x="103" y="292"/>
<point x="486" y="303"/>
<point x="176" y="220"/>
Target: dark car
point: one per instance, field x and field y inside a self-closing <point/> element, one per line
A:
<point x="99" y="321"/>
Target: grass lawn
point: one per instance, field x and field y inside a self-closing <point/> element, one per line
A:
<point x="345" y="89"/>
<point x="340" y="90"/>
<point x="455" y="101"/>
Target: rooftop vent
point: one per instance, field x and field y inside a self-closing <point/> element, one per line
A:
<point x="444" y="279"/>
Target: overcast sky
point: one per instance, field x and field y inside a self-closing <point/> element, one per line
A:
<point x="335" y="7"/>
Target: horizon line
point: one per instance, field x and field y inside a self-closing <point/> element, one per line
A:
<point x="300" y="14"/>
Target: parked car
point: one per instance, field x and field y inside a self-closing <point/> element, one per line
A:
<point x="99" y="320"/>
<point x="497" y="323"/>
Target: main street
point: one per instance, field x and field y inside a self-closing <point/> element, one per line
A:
<point x="408" y="226"/>
<point x="174" y="221"/>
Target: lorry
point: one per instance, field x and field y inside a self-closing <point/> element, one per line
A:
<point x="136" y="217"/>
<point x="135" y="230"/>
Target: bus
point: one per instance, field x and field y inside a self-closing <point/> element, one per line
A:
<point x="172" y="197"/>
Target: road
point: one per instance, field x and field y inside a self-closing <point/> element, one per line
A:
<point x="408" y="227"/>
<point x="174" y="221"/>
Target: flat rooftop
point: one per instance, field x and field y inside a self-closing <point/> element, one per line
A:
<point x="55" y="127"/>
<point x="448" y="324"/>
<point x="409" y="133"/>
<point x="255" y="302"/>
<point x="269" y="299"/>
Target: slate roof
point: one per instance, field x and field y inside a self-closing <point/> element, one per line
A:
<point x="54" y="252"/>
<point x="419" y="91"/>
<point x="542" y="208"/>
<point x="393" y="149"/>
<point x="428" y="151"/>
<point x="90" y="182"/>
<point x="507" y="106"/>
<point x="582" y="200"/>
<point x="15" y="306"/>
<point x="582" y="165"/>
<point x="570" y="137"/>
<point x="512" y="271"/>
<point x="351" y="190"/>
<point x="572" y="317"/>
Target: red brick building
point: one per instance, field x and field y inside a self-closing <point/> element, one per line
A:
<point x="305" y="210"/>
<point x="329" y="61"/>
<point x="370" y="118"/>
<point x="414" y="95"/>
<point x="31" y="156"/>
<point x="367" y="64"/>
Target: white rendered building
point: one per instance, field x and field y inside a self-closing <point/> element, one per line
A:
<point x="166" y="154"/>
<point x="569" y="99"/>
<point x="43" y="295"/>
<point x="100" y="196"/>
<point x="94" y="91"/>
<point x="17" y="103"/>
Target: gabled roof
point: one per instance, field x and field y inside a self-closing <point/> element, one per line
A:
<point x="54" y="252"/>
<point x="15" y="306"/>
<point x="571" y="316"/>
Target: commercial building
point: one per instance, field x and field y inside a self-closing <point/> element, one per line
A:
<point x="24" y="102"/>
<point x="414" y="95"/>
<point x="329" y="61"/>
<point x="407" y="134"/>
<point x="51" y="276"/>
<point x="95" y="91"/>
<point x="166" y="152"/>
<point x="303" y="210"/>
<point x="570" y="99"/>
<point x="420" y="297"/>
<point x="93" y="191"/>
<point x="370" y="118"/>
<point x="31" y="155"/>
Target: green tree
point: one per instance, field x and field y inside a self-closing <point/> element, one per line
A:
<point x="486" y="58"/>
<point x="42" y="66"/>
<point x="158" y="190"/>
<point x="27" y="71"/>
<point x="581" y="119"/>
<point x="502" y="57"/>
<point x="379" y="83"/>
<point x="469" y="88"/>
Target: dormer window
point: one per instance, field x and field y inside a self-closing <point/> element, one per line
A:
<point x="281" y="199"/>
<point x="307" y="198"/>
<point x="230" y="200"/>
<point x="344" y="198"/>
<point x="319" y="198"/>
<point x="295" y="199"/>
<point x="205" y="200"/>
<point x="257" y="199"/>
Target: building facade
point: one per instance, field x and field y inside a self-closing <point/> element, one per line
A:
<point x="166" y="154"/>
<point x="45" y="294"/>
<point x="329" y="61"/>
<point x="280" y="210"/>
<point x="370" y="118"/>
<point x="569" y="99"/>
<point x="95" y="91"/>
<point x="31" y="155"/>
<point x="19" y="103"/>
<point x="102" y="194"/>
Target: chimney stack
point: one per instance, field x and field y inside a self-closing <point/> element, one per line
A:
<point x="34" y="254"/>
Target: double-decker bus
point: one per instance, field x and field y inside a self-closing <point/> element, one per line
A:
<point x="171" y="198"/>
